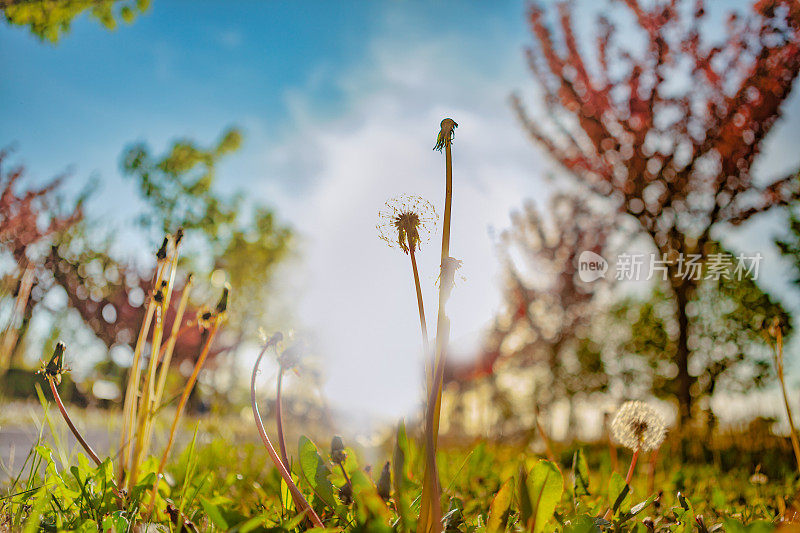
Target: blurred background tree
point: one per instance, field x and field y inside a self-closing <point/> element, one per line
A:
<point x="677" y="159"/>
<point x="727" y="318"/>
<point x="224" y="238"/>
<point x="227" y="240"/>
<point x="789" y="244"/>
<point x="539" y="352"/>
<point x="50" y="20"/>
<point x="28" y="221"/>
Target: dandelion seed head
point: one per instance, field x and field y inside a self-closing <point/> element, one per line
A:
<point x="638" y="426"/>
<point x="406" y="222"/>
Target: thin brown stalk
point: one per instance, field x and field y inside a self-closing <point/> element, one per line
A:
<point x="299" y="500"/>
<point x="423" y="325"/>
<point x="68" y="420"/>
<point x="279" y="419"/>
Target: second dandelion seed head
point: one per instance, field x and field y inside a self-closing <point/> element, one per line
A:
<point x="638" y="426"/>
<point x="405" y="222"/>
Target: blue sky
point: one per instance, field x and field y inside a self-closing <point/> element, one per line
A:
<point x="340" y="104"/>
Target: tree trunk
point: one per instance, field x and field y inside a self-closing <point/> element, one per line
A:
<point x="684" y="380"/>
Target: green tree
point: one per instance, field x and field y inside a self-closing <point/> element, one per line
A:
<point x="789" y="245"/>
<point x="49" y="20"/>
<point x="726" y="333"/>
<point x="223" y="232"/>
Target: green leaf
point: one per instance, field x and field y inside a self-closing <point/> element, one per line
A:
<point x="582" y="524"/>
<point x="35" y="516"/>
<point x="619" y="494"/>
<point x="316" y="472"/>
<point x="641" y="506"/>
<point x="214" y="514"/>
<point x="580" y="474"/>
<point x="402" y="485"/>
<point x="525" y="511"/>
<point x="115" y="522"/>
<point x="685" y="516"/>
<point x="544" y="485"/>
<point x="760" y="526"/>
<point x="500" y="508"/>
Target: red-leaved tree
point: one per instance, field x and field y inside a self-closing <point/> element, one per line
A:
<point x="669" y="131"/>
<point x="26" y="219"/>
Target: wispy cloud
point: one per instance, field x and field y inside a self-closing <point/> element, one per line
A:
<point x="229" y="38"/>
<point x="357" y="296"/>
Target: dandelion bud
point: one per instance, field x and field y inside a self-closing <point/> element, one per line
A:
<point x="446" y="133"/>
<point x="178" y="236"/>
<point x="346" y="494"/>
<point x="55" y="365"/>
<point x="204" y="316"/>
<point x="222" y="305"/>
<point x="638" y="426"/>
<point x="338" y="454"/>
<point x="775" y="327"/>
<point x="385" y="482"/>
<point x="161" y="254"/>
<point x="273" y="339"/>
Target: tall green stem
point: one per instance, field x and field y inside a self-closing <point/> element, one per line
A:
<point x="430" y="518"/>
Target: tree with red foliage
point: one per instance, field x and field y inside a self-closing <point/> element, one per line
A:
<point x="544" y="330"/>
<point x="26" y="219"/>
<point x="29" y="217"/>
<point x="676" y="157"/>
<point x="111" y="298"/>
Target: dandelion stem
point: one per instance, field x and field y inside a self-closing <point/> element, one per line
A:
<point x="132" y="389"/>
<point x="651" y="474"/>
<point x="422" y="321"/>
<point x="430" y="518"/>
<point x="627" y="478"/>
<point x="344" y="473"/>
<point x="68" y="420"/>
<point x="279" y="419"/>
<point x="631" y="468"/>
<point x="168" y="349"/>
<point x="182" y="402"/>
<point x="297" y="496"/>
